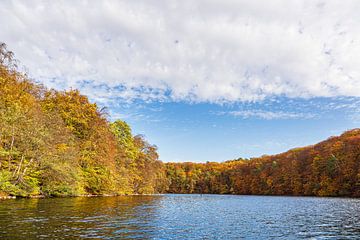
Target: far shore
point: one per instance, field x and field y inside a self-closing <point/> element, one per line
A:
<point x="158" y="194"/>
<point x="81" y="195"/>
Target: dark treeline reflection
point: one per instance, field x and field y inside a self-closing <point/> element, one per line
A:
<point x="124" y="217"/>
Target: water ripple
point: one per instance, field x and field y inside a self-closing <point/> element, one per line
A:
<point x="181" y="217"/>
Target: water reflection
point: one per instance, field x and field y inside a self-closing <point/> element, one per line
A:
<point x="180" y="217"/>
<point x="124" y="217"/>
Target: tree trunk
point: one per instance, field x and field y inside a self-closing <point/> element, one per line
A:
<point x="11" y="147"/>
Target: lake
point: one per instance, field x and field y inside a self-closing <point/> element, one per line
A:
<point x="181" y="217"/>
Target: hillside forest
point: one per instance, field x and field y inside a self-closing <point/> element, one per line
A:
<point x="58" y="143"/>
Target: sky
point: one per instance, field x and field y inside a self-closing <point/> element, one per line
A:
<point x="204" y="80"/>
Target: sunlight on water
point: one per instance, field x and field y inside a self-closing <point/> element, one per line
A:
<point x="181" y="217"/>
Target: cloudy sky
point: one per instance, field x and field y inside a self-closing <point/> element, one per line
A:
<point x="204" y="80"/>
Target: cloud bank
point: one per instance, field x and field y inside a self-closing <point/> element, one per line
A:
<point x="202" y="51"/>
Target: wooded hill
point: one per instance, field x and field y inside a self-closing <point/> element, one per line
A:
<point x="329" y="168"/>
<point x="58" y="143"/>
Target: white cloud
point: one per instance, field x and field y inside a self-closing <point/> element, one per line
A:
<point x="268" y="115"/>
<point x="206" y="50"/>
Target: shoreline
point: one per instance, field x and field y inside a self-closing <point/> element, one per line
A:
<point x="160" y="194"/>
<point x="73" y="196"/>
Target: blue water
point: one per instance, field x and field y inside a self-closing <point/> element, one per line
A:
<point x="181" y="217"/>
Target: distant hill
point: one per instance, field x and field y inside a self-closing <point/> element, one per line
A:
<point x="329" y="168"/>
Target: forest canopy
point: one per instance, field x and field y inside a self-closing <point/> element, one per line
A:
<point x="58" y="143"/>
<point x="329" y="168"/>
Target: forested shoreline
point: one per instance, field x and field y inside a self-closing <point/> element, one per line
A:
<point x="329" y="168"/>
<point x="58" y="143"/>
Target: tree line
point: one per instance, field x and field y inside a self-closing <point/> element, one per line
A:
<point x="58" y="143"/>
<point x="329" y="168"/>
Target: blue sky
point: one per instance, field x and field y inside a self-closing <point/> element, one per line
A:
<point x="202" y="132"/>
<point x="204" y="80"/>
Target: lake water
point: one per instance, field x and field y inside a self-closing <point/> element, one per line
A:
<point x="181" y="217"/>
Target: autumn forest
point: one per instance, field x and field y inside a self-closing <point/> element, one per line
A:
<point x="58" y="143"/>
